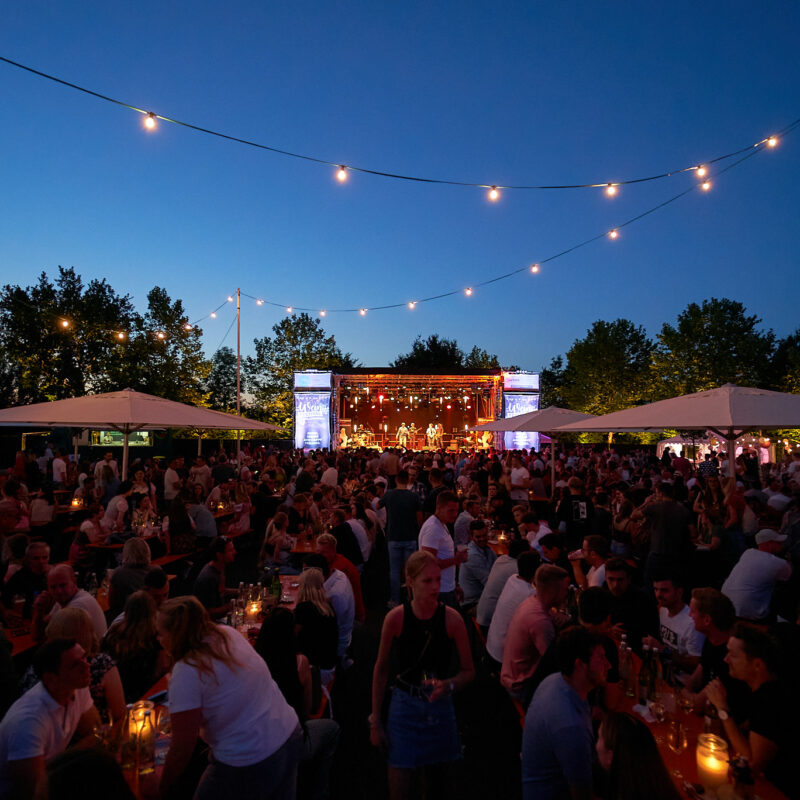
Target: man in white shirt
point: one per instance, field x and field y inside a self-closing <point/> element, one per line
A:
<point x="533" y="529"/>
<point x="172" y="480"/>
<point x="752" y="581"/>
<point x="63" y="592"/>
<point x="520" y="479"/>
<point x="517" y="588"/>
<point x="107" y="461"/>
<point x="59" y="470"/>
<point x="595" y="552"/>
<point x="44" y="720"/>
<point x="201" y="473"/>
<point x="677" y="631"/>
<point x="434" y="536"/>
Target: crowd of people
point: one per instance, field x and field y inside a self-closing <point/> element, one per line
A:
<point x="469" y="561"/>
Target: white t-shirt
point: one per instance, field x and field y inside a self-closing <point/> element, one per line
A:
<point x="171" y="477"/>
<point x="361" y="535"/>
<point x="245" y="718"/>
<point x="340" y="593"/>
<point x="519" y="475"/>
<point x="330" y="477"/>
<point x="36" y="725"/>
<point x="59" y="470"/>
<point x="596" y="576"/>
<point x="752" y="581"/>
<point x="82" y="599"/>
<point x="98" y="470"/>
<point x="678" y="632"/>
<point x="94" y="532"/>
<point x="434" y="535"/>
<point x="514" y="592"/>
<point x="116" y="505"/>
<point x="534" y="538"/>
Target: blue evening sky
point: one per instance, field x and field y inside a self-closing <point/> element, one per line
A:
<point x="509" y="92"/>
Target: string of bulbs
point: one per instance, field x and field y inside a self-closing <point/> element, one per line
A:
<point x="704" y="185"/>
<point x="493" y="191"/>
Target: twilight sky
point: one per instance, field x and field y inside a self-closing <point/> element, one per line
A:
<point x="505" y="93"/>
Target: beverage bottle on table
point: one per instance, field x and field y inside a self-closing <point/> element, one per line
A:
<point x="276" y="588"/>
<point x="147" y="744"/>
<point x="654" y="678"/>
<point x="625" y="666"/>
<point x="644" y="676"/>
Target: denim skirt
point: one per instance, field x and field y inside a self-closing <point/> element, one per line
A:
<point x="421" y="733"/>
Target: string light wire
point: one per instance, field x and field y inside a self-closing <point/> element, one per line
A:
<point x="769" y="141"/>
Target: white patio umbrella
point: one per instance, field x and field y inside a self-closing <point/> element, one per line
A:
<point x="126" y="411"/>
<point x="728" y="411"/>
<point x="546" y="420"/>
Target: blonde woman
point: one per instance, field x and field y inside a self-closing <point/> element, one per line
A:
<point x="418" y="639"/>
<point x="277" y="546"/>
<point x="220" y="685"/>
<point x="106" y="684"/>
<point x="315" y="621"/>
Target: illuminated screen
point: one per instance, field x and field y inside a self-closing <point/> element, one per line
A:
<point x="521" y="380"/>
<point x="513" y="406"/>
<point x="312" y="380"/>
<point x="117" y="439"/>
<point x="312" y="427"/>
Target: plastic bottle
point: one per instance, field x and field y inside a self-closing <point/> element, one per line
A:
<point x="644" y="676"/>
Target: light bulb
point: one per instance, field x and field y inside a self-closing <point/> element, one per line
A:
<point x="187" y="326"/>
<point x="288" y="309"/>
<point x="612" y="234"/>
<point x="150" y="121"/>
<point x="705" y="185"/>
<point x="160" y="335"/>
<point x="259" y="302"/>
<point x="341" y="175"/>
<point x="611" y="190"/>
<point x="701" y="171"/>
<point x="323" y="312"/>
<point x="230" y="298"/>
<point x="412" y="304"/>
<point x="120" y="336"/>
<point x="363" y="312"/>
<point x="65" y="323"/>
<point x="772" y="141"/>
<point x="213" y="315"/>
<point x="493" y="193"/>
<point x="534" y="268"/>
<point x="468" y="291"/>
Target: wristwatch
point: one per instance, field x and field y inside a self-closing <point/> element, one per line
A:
<point x="723" y="714"/>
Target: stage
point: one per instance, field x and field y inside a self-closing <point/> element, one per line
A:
<point x="387" y="407"/>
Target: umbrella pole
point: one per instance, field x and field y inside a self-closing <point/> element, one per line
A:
<point x="199" y="444"/>
<point x="731" y="456"/>
<point x="125" y="434"/>
<point x="552" y="467"/>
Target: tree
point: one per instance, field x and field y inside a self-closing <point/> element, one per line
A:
<point x="552" y="380"/>
<point x="221" y="382"/>
<point x="437" y="353"/>
<point x="712" y="344"/>
<point x="60" y="339"/>
<point x="786" y="364"/>
<point x="299" y="342"/>
<point x="606" y="371"/>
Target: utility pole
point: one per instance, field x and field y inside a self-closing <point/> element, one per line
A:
<point x="238" y="373"/>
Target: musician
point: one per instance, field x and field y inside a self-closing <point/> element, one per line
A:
<point x="439" y="435"/>
<point x="343" y="437"/>
<point x="430" y="435"/>
<point x="402" y="435"/>
<point x="486" y="440"/>
<point x="412" y="435"/>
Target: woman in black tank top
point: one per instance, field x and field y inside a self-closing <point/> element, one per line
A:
<point x="420" y="639"/>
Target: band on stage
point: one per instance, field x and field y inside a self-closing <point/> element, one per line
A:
<point x="409" y="437"/>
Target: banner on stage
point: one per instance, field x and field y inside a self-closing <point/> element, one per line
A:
<point x="312" y="420"/>
<point x="514" y="405"/>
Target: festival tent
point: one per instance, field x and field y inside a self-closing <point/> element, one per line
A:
<point x="728" y="411"/>
<point x="126" y="411"/>
<point x="545" y="420"/>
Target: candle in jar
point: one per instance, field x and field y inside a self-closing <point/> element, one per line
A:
<point x="712" y="760"/>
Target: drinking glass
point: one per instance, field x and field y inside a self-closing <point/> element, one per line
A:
<point x="685" y="702"/>
<point x="677" y="742"/>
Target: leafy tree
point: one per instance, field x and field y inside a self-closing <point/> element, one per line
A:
<point x="221" y="382"/>
<point x="712" y="344"/>
<point x="298" y="342"/>
<point x="551" y="383"/>
<point x="438" y="353"/>
<point x="478" y="358"/>
<point x="786" y="364"/>
<point x="46" y="359"/>
<point x="606" y="371"/>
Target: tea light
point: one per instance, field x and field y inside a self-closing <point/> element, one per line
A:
<point x="252" y="611"/>
<point x="712" y="760"/>
<point x="76" y="502"/>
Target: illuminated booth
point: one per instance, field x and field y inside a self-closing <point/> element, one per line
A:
<point x="389" y="407"/>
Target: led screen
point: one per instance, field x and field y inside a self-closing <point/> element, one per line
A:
<point x="521" y="380"/>
<point x="312" y="380"/>
<point x="513" y="406"/>
<point x="312" y="427"/>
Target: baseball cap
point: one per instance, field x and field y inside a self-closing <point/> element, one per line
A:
<point x="768" y="535"/>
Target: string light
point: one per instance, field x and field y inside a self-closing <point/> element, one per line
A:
<point x="534" y="268"/>
<point x="468" y="291"/>
<point x="65" y="323"/>
<point x="161" y="335"/>
<point x="701" y="171"/>
<point x="611" y="189"/>
<point x="288" y="309"/>
<point x="341" y="174"/>
<point x="121" y="336"/>
<point x="150" y="122"/>
<point x="323" y="312"/>
<point x="412" y="304"/>
<point x="230" y="298"/>
<point x="363" y="312"/>
<point x="705" y="185"/>
<point x="187" y="327"/>
<point x="259" y="302"/>
<point x="613" y="233"/>
<point x="213" y="315"/>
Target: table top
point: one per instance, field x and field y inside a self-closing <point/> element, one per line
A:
<point x="303" y="546"/>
